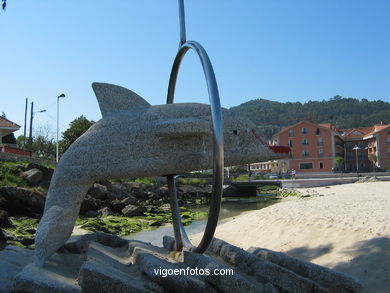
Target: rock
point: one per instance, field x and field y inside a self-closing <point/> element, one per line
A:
<point x="100" y="262"/>
<point x="47" y="173"/>
<point x="169" y="243"/>
<point x="12" y="260"/>
<point x="322" y="275"/>
<point x="89" y="204"/>
<point x="118" y="205"/>
<point x="2" y="236"/>
<point x="262" y="270"/>
<point x="118" y="190"/>
<point x="230" y="283"/>
<point x="4" y="221"/>
<point x="105" y="212"/>
<point x="176" y="283"/>
<point x="33" y="176"/>
<point x="21" y="202"/>
<point x="79" y="244"/>
<point x="98" y="191"/>
<point x="91" y="214"/>
<point x="104" y="273"/>
<point x="132" y="210"/>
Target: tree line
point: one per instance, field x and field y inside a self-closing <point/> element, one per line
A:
<point x="342" y="112"/>
<point x="43" y="144"/>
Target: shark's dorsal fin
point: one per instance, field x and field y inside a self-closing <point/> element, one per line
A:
<point x="113" y="98"/>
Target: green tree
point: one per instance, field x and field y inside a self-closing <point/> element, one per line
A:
<point x="373" y="159"/>
<point x="10" y="139"/>
<point x="76" y="128"/>
<point x="339" y="163"/>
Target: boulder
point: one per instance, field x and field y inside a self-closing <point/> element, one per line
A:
<point x="89" y="204"/>
<point x="47" y="173"/>
<point x="132" y="210"/>
<point x="4" y="221"/>
<point x="118" y="205"/>
<point x="33" y="176"/>
<point x="21" y="202"/>
<point x="98" y="191"/>
<point x="106" y="211"/>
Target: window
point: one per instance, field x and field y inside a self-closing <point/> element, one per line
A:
<point x="388" y="131"/>
<point x="305" y="153"/>
<point x="317" y="131"/>
<point x="388" y="141"/>
<point x="320" y="142"/>
<point x="305" y="166"/>
<point x="320" y="152"/>
<point x="304" y="130"/>
<point x="290" y="143"/>
<point x="291" y="132"/>
<point x="305" y="141"/>
<point x="357" y="133"/>
<point x="321" y="165"/>
<point x="388" y="151"/>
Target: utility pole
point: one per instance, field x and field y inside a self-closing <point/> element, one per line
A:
<point x="58" y="125"/>
<point x="31" y="123"/>
<point x="25" y="124"/>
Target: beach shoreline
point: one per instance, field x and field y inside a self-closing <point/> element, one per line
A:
<point x="343" y="227"/>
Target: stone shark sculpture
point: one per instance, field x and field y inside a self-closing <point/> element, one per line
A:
<point x="135" y="139"/>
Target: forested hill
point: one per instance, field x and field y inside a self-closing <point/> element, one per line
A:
<point x="341" y="112"/>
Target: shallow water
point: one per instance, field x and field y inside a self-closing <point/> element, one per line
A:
<point x="230" y="207"/>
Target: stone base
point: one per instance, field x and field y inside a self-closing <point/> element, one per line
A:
<point x="101" y="262"/>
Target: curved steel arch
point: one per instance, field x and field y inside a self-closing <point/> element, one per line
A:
<point x="218" y="150"/>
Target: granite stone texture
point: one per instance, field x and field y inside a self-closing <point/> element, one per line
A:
<point x="134" y="139"/>
<point x="100" y="262"/>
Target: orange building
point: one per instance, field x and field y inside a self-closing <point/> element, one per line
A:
<point x="373" y="148"/>
<point x="315" y="147"/>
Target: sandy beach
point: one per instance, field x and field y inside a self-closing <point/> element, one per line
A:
<point x="344" y="227"/>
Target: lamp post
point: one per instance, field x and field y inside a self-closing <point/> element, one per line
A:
<point x="356" y="148"/>
<point x="58" y="122"/>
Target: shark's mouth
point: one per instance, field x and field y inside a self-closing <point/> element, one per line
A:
<point x="277" y="149"/>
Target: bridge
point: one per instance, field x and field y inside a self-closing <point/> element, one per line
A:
<point x="248" y="188"/>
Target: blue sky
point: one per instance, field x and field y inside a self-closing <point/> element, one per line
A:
<point x="280" y="50"/>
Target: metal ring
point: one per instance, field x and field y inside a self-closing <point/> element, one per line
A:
<point x="218" y="151"/>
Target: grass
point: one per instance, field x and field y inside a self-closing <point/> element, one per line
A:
<point x="192" y="181"/>
<point x="144" y="180"/>
<point x="10" y="175"/>
<point x="288" y="192"/>
<point x="268" y="189"/>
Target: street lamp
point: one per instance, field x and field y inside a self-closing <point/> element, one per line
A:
<point x="356" y="148"/>
<point x="58" y="122"/>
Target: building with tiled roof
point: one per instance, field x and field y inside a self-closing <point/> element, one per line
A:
<point x="372" y="142"/>
<point x="315" y="147"/>
<point x="7" y="127"/>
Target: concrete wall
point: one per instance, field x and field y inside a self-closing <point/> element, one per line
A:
<point x="18" y="158"/>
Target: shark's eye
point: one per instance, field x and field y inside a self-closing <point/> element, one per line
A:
<point x="235" y="132"/>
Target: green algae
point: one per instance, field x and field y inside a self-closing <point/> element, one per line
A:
<point x="22" y="231"/>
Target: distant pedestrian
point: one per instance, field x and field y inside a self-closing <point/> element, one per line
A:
<point x="293" y="173"/>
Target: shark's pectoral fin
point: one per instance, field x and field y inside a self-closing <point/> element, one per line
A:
<point x="113" y="98"/>
<point x="183" y="127"/>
